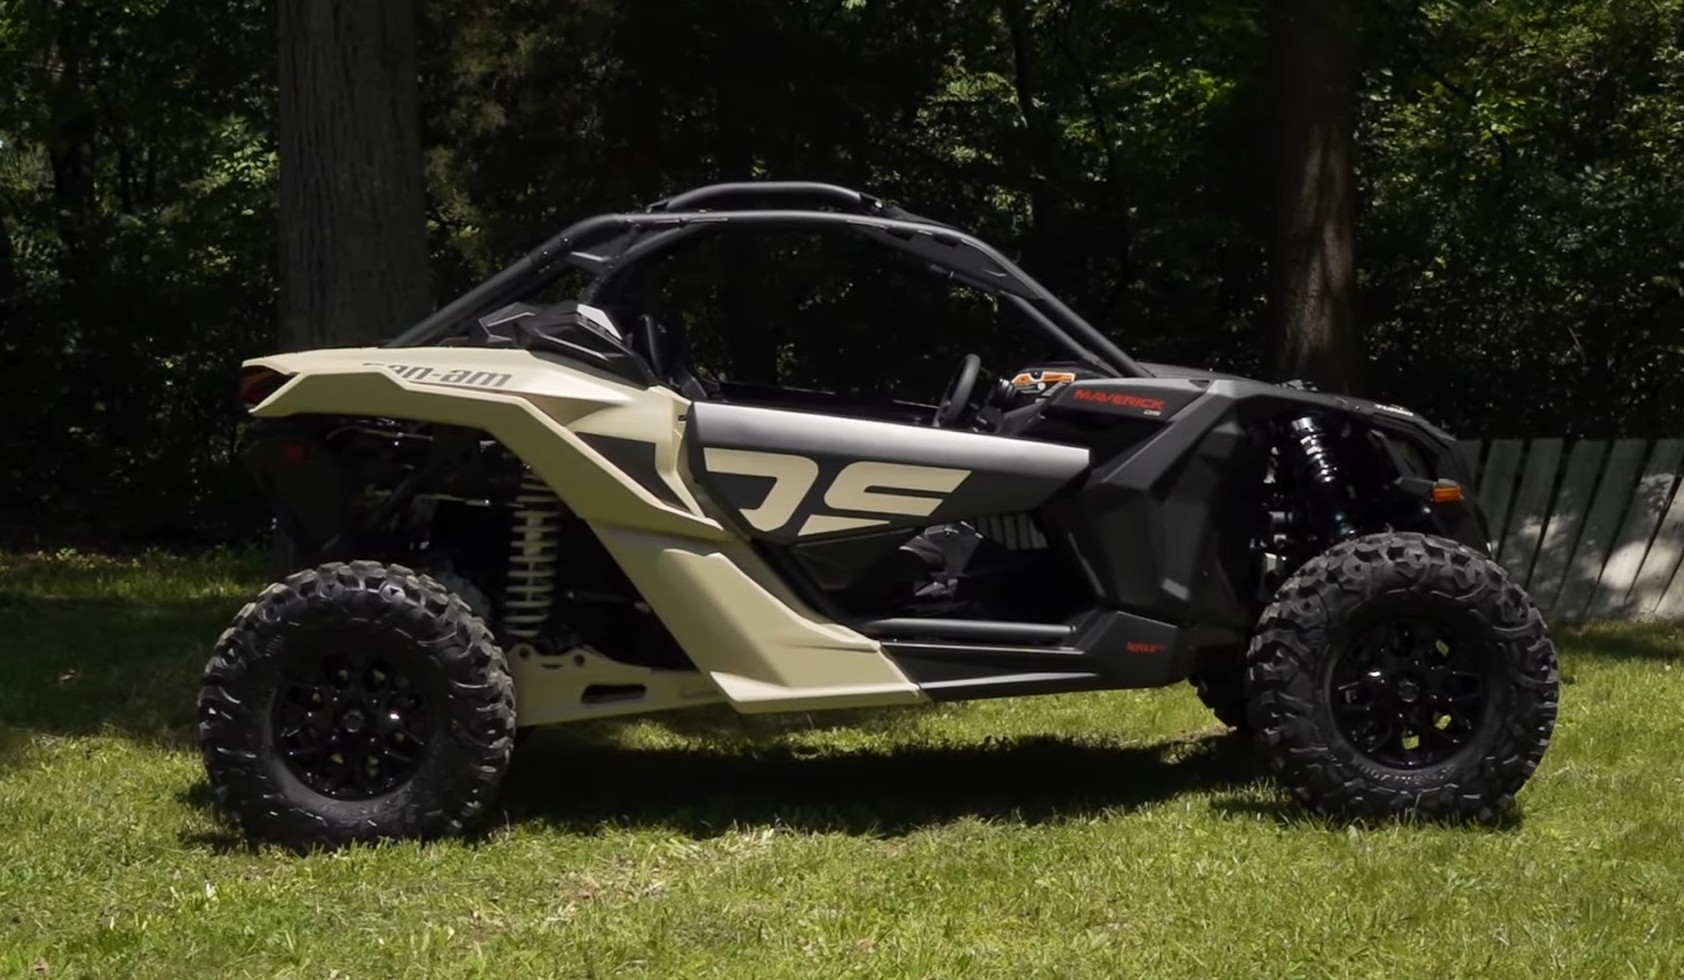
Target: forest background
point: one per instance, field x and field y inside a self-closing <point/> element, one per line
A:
<point x="1471" y="207"/>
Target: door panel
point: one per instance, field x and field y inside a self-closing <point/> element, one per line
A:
<point x="794" y="476"/>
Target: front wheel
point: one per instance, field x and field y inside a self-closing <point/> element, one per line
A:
<point x="1403" y="674"/>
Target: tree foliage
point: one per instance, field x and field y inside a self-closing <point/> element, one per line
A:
<point x="1522" y="200"/>
<point x="1517" y="200"/>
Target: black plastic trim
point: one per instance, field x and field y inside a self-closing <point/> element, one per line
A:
<point x="636" y="459"/>
<point x="310" y="492"/>
<point x="1186" y="499"/>
<point x="1106" y="649"/>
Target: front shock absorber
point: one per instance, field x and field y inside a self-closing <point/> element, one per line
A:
<point x="532" y="560"/>
<point x="1321" y="471"/>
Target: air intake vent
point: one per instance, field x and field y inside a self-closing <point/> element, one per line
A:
<point x="1016" y="531"/>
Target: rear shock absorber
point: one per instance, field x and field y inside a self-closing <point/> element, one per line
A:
<point x="1322" y="473"/>
<point x="532" y="559"/>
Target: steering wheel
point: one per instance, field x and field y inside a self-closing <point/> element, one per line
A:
<point x="957" y="398"/>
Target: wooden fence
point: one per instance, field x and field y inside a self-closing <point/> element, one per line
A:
<point x="1594" y="529"/>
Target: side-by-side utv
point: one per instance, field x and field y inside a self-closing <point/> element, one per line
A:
<point x="521" y="513"/>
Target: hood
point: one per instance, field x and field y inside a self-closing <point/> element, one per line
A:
<point x="1178" y="371"/>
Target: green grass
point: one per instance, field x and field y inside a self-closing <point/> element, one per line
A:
<point x="1113" y="835"/>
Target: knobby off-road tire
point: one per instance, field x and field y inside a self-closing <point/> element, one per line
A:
<point x="1312" y="666"/>
<point x="355" y="662"/>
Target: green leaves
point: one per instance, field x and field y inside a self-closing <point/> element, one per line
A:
<point x="1530" y="151"/>
<point x="1521" y="197"/>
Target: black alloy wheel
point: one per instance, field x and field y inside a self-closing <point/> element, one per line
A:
<point x="1409" y="693"/>
<point x="1402" y="675"/>
<point x="349" y="724"/>
<point x="356" y="701"/>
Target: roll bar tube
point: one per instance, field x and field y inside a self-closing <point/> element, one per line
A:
<point x="647" y="235"/>
<point x="787" y="193"/>
<point x="512" y="281"/>
<point x="933" y="243"/>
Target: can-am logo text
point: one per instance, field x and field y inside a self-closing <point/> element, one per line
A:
<point x="455" y="376"/>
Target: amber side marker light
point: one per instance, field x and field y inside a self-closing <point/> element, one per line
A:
<point x="1445" y="492"/>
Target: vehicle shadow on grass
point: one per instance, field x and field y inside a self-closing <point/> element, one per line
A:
<point x="888" y="791"/>
<point x="102" y="665"/>
<point x="581" y="788"/>
<point x="896" y="790"/>
<point x="73" y="666"/>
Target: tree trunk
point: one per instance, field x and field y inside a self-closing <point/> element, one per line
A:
<point x="1313" y="47"/>
<point x="1033" y="156"/>
<point x="71" y="152"/>
<point x="353" y="227"/>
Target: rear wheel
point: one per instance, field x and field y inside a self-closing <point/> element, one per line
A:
<point x="1403" y="674"/>
<point x="356" y="702"/>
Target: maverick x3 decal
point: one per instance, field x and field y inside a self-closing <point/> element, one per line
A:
<point x="1120" y="399"/>
<point x="1127" y="398"/>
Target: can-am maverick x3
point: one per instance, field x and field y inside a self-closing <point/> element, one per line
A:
<point x="517" y="514"/>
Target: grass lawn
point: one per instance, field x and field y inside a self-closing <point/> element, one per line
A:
<point x="1113" y="835"/>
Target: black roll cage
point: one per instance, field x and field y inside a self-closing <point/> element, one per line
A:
<point x="612" y="247"/>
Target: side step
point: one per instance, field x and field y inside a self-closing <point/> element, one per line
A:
<point x="963" y="659"/>
<point x="960" y="659"/>
<point x="973" y="630"/>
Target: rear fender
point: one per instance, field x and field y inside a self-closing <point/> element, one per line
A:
<point x="607" y="449"/>
<point x="611" y="452"/>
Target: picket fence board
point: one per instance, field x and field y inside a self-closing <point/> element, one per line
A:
<point x="1590" y="555"/>
<point x="1592" y="528"/>
<point x="1671" y="606"/>
<point x="1496" y="485"/>
<point x="1648" y="504"/>
<point x="1566" y="518"/>
<point x="1660" y="562"/>
<point x="1531" y="507"/>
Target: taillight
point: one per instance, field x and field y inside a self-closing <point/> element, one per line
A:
<point x="258" y="383"/>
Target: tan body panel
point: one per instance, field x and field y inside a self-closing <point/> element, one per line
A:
<point x="762" y="647"/>
<point x="535" y="413"/>
<point x="552" y="690"/>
